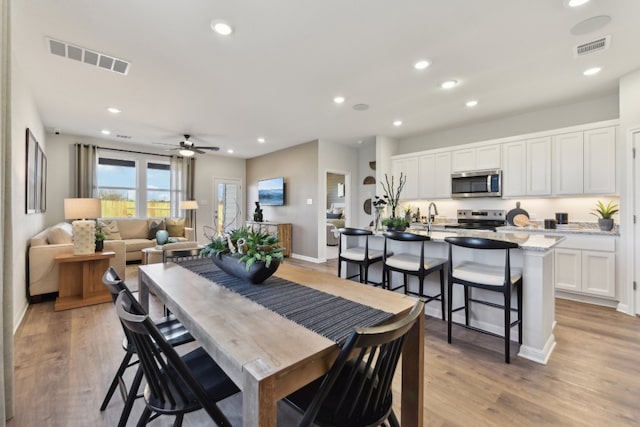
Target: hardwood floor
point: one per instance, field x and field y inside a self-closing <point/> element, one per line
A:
<point x="65" y="361"/>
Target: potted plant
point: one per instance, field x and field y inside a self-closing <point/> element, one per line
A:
<point x="99" y="239"/>
<point x="407" y="212"/>
<point x="605" y="214"/>
<point x="245" y="253"/>
<point x="392" y="195"/>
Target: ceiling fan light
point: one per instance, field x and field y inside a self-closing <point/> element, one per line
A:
<point x="186" y="152"/>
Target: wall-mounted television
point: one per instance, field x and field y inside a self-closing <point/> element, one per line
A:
<point x="271" y="192"/>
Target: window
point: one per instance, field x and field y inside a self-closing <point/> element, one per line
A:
<point x="158" y="190"/>
<point x="135" y="185"/>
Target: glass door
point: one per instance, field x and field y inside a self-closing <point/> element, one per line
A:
<point x="227" y="204"/>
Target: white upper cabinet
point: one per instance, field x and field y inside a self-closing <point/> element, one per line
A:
<point x="600" y="161"/>
<point x="584" y="162"/>
<point x="526" y="168"/>
<point x="435" y="176"/>
<point x="469" y="159"/>
<point x="409" y="168"/>
<point x="568" y="163"/>
<point x="539" y="166"/>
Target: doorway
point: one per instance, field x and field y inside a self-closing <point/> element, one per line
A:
<point x="337" y="211"/>
<point x="636" y="225"/>
<point x="227" y="204"/>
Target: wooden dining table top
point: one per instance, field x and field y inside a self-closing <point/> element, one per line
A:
<point x="265" y="354"/>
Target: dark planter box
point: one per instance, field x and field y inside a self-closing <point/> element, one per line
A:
<point x="258" y="272"/>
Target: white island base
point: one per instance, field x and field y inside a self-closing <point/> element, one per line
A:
<point x="536" y="258"/>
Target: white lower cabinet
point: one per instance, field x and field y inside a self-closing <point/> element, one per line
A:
<point x="586" y="265"/>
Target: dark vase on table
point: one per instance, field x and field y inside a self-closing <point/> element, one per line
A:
<point x="99" y="245"/>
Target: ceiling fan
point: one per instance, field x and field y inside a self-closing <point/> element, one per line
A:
<point x="187" y="148"/>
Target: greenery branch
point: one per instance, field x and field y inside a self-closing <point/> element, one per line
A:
<point x="391" y="193"/>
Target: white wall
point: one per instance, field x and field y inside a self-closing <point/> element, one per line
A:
<point x="24" y="114"/>
<point x="600" y="108"/>
<point x="366" y="154"/>
<point x="207" y="166"/>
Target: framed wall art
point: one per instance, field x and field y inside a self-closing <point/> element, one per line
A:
<point x="36" y="179"/>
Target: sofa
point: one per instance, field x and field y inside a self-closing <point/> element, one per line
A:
<point x="124" y="236"/>
<point x="140" y="233"/>
<point x="53" y="241"/>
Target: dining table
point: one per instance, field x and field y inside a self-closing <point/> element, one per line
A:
<point x="267" y="355"/>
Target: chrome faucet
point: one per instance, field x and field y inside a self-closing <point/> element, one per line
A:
<point x="429" y="218"/>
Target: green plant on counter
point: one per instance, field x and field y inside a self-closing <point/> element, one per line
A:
<point x="247" y="245"/>
<point x="605" y="212"/>
<point x="407" y="209"/>
<point x="395" y="222"/>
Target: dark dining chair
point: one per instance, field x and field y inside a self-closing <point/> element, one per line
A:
<point x="501" y="278"/>
<point x="176" y="385"/>
<point x="409" y="264"/>
<point x="357" y="390"/>
<point x="360" y="254"/>
<point x="170" y="327"/>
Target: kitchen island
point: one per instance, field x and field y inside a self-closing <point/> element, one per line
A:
<point x="536" y="258"/>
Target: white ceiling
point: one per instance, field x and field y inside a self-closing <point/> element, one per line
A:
<point x="277" y="75"/>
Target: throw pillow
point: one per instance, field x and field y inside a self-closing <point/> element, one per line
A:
<point x="110" y="229"/>
<point x="58" y="235"/>
<point x="155" y="225"/>
<point x="175" y="227"/>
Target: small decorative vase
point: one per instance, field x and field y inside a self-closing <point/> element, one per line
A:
<point x="377" y="225"/>
<point x="162" y="237"/>
<point x="99" y="245"/>
<point x="257" y="273"/>
<point x="605" y="224"/>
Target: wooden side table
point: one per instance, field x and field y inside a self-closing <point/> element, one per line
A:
<point x="81" y="280"/>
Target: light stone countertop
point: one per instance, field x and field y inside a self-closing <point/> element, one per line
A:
<point x="537" y="242"/>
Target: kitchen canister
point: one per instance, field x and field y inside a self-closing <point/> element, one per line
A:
<point x="562" y="218"/>
<point x="549" y="224"/>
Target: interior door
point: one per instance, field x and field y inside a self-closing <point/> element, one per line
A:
<point x="636" y="225"/>
<point x="227" y="204"/>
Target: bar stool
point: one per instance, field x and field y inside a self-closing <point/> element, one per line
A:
<point x="360" y="255"/>
<point x="410" y="264"/>
<point x="492" y="278"/>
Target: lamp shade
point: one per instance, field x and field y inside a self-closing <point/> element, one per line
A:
<point x="82" y="208"/>
<point x="188" y="204"/>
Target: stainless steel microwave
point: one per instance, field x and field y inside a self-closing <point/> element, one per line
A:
<point x="486" y="183"/>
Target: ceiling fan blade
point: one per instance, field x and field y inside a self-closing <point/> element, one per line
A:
<point x="209" y="148"/>
<point x="162" y="143"/>
<point x="196" y="149"/>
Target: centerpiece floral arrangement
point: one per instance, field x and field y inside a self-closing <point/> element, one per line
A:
<point x="247" y="245"/>
<point x="392" y="196"/>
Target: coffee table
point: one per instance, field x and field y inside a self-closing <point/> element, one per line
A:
<point x="153" y="255"/>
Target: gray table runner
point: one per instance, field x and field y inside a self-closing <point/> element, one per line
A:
<point x="325" y="314"/>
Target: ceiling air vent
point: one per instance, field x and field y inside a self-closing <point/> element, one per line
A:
<point x="87" y="56"/>
<point x="593" y="46"/>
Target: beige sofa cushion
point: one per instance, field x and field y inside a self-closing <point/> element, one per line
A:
<point x="60" y="233"/>
<point x="134" y="245"/>
<point x="110" y="229"/>
<point x="133" y="228"/>
<point x="175" y="227"/>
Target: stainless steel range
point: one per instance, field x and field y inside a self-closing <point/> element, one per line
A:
<point x="480" y="219"/>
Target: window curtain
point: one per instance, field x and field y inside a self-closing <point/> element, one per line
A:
<point x="6" y="248"/>
<point x="86" y="160"/>
<point x="182" y="184"/>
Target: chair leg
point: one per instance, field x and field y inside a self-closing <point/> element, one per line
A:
<point x="449" y="308"/>
<point x="366" y="274"/>
<point x="360" y="273"/>
<point x="507" y="325"/>
<point x="393" y="420"/>
<point x="406" y="286"/>
<point x="131" y="398"/>
<point x="467" y="308"/>
<point x="144" y="418"/>
<point x="421" y="285"/>
<point x="519" y="294"/>
<point x="112" y="388"/>
<point x="178" y="421"/>
<point x="339" y="267"/>
<point x="442" y="291"/>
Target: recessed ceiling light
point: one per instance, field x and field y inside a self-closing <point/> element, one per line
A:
<point x="576" y="3"/>
<point x="261" y="140"/>
<point x="221" y="27"/>
<point x="105" y="132"/>
<point x="397" y="123"/>
<point x="471" y="103"/>
<point x="449" y="84"/>
<point x="359" y="142"/>
<point x="230" y="151"/>
<point x="114" y="110"/>
<point x="339" y="99"/>
<point x="421" y="65"/>
<point x="592" y="71"/>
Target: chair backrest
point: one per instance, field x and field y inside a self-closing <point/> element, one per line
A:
<point x="177" y="255"/>
<point x="357" y="232"/>
<point x="481" y="243"/>
<point x="115" y="284"/>
<point x="402" y="236"/>
<point x="360" y="388"/>
<point x="164" y="370"/>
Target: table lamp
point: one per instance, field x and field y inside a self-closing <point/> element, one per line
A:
<point x="84" y="230"/>
<point x="189" y="205"/>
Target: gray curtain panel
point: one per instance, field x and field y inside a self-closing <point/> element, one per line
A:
<point x="86" y="160"/>
<point x="182" y="183"/>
